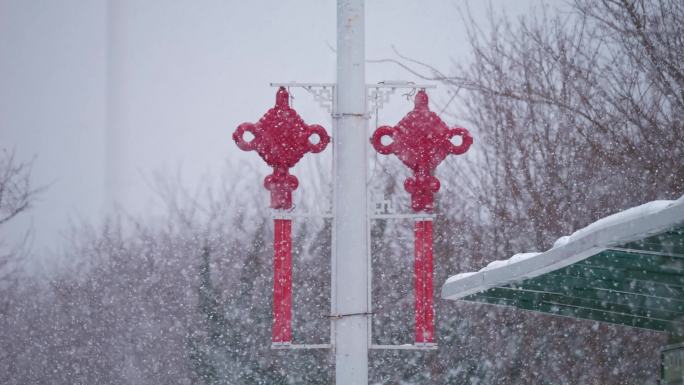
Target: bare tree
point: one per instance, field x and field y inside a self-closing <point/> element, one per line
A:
<point x="16" y="193"/>
<point x="16" y="197"/>
<point x="575" y="116"/>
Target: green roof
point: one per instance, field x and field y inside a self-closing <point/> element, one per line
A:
<point x="626" y="270"/>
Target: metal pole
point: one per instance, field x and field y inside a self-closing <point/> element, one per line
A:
<point x="350" y="141"/>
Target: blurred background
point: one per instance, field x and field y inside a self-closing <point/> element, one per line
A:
<point x="103" y="94"/>
<point x="135" y="246"/>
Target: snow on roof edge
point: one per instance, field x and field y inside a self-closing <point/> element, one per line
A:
<point x="625" y="226"/>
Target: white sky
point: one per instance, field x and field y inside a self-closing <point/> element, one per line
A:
<point x="161" y="85"/>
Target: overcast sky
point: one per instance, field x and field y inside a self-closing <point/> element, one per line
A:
<point x="103" y="94"/>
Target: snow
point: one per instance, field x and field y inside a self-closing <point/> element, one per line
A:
<point x="623" y="216"/>
<point x="516" y="258"/>
<point x="522" y="256"/>
<point x="494" y="265"/>
<point x="459" y="276"/>
<point x="573" y="247"/>
<point x="562" y="241"/>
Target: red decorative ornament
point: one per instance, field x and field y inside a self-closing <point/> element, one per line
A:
<point x="281" y="138"/>
<point x="422" y="141"/>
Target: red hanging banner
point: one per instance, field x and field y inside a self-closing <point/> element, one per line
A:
<point x="423" y="282"/>
<point x="281" y="138"/>
<point x="282" y="281"/>
<point x="421" y="140"/>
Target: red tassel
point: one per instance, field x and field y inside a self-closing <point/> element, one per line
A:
<point x="428" y="308"/>
<point x="282" y="281"/>
<point x="418" y="282"/>
<point x="422" y="277"/>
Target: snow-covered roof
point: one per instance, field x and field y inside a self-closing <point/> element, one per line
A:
<point x="595" y="263"/>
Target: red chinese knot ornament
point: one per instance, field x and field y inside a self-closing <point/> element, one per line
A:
<point x="421" y="140"/>
<point x="281" y="138"/>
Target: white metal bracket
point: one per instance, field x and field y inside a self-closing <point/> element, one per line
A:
<point x="323" y="93"/>
<point x="379" y="94"/>
<point x="382" y="206"/>
<point x="425" y="346"/>
<point x="384" y="209"/>
<point x="280" y="214"/>
<point x="290" y="346"/>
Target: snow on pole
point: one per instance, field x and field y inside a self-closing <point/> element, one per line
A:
<point x="421" y="140"/>
<point x="281" y="138"/>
